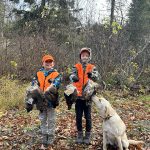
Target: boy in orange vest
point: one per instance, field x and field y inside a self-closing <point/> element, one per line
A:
<point x="48" y="80"/>
<point x="81" y="73"/>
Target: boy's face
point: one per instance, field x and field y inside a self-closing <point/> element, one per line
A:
<point x="48" y="64"/>
<point x="85" y="56"/>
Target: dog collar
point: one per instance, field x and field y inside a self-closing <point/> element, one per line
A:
<point x="107" y="118"/>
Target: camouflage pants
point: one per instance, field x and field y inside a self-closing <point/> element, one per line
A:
<point x="48" y="118"/>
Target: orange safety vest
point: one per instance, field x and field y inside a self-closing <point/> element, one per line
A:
<point x="82" y="75"/>
<point x="43" y="81"/>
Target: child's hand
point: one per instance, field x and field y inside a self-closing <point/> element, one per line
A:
<point x="50" y="88"/>
<point x="50" y="80"/>
<point x="74" y="78"/>
<point x="89" y="74"/>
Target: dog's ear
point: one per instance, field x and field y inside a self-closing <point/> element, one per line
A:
<point x="107" y="111"/>
<point x="100" y="100"/>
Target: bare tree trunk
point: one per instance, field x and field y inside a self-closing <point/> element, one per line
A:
<point x="112" y="13"/>
<point x="43" y="4"/>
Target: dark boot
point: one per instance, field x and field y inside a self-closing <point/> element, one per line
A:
<point x="87" y="138"/>
<point x="79" y="139"/>
<point x="44" y="139"/>
<point x="50" y="140"/>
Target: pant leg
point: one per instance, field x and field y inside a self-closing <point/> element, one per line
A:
<point x="87" y="114"/>
<point x="79" y="114"/>
<point x="43" y="119"/>
<point x="51" y="119"/>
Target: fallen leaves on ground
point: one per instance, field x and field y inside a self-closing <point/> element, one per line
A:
<point x="20" y="130"/>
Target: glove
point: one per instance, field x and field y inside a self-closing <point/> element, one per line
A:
<point x="89" y="74"/>
<point x="50" y="80"/>
<point x="75" y="79"/>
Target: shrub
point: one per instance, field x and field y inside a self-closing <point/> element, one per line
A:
<point x="12" y="93"/>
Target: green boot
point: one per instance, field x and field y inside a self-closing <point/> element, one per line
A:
<point x="79" y="139"/>
<point x="87" y="138"/>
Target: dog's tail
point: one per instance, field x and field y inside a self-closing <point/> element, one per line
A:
<point x="133" y="142"/>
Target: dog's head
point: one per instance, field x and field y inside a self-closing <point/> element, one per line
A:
<point x="70" y="95"/>
<point x="104" y="106"/>
<point x="90" y="89"/>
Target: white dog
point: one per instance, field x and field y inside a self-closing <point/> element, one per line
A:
<point x="114" y="129"/>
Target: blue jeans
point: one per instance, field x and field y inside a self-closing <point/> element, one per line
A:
<point x="81" y="107"/>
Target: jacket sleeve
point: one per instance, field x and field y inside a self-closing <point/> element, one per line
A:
<point x="35" y="81"/>
<point x="95" y="76"/>
<point x="57" y="81"/>
<point x="74" y="75"/>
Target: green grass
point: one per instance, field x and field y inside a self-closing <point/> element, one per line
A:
<point x="12" y="93"/>
<point x="146" y="100"/>
<point x="145" y="97"/>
